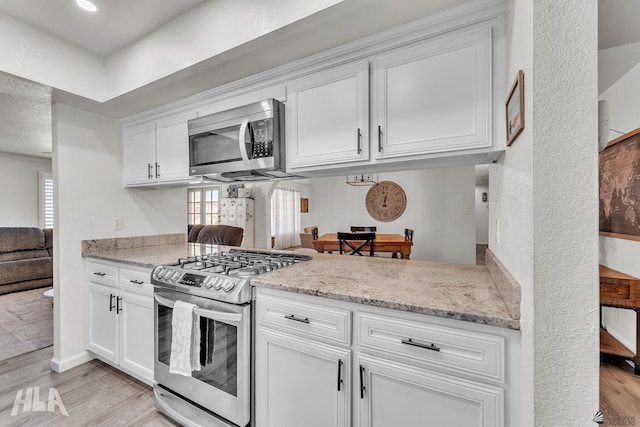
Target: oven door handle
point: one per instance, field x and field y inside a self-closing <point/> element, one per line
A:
<point x="220" y="316"/>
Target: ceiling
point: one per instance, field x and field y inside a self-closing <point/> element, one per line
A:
<point x="116" y="24"/>
<point x="25" y="118"/>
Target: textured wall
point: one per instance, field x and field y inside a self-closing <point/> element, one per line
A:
<point x="88" y="175"/>
<point x="543" y="220"/>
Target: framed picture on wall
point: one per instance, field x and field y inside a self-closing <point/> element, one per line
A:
<point x="304" y="205"/>
<point x="515" y="109"/>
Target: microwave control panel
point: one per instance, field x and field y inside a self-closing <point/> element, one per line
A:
<point x="262" y="132"/>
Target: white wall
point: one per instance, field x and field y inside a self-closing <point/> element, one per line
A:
<point x="548" y="245"/>
<point x="482" y="215"/>
<point x="621" y="254"/>
<point x="440" y="209"/>
<point x="19" y="189"/>
<point x="87" y="157"/>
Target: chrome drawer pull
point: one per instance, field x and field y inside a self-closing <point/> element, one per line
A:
<point x="137" y="282"/>
<point x="100" y="274"/>
<point x="297" y="319"/>
<point x="431" y="346"/>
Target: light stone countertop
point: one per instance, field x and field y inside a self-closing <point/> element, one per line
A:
<point x="455" y="291"/>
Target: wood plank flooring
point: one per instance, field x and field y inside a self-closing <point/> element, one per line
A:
<point x="26" y="322"/>
<point x="619" y="393"/>
<point x="93" y="394"/>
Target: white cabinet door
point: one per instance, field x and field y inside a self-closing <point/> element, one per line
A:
<point x="136" y="331"/>
<point x="393" y="394"/>
<point x="328" y="117"/>
<point x="297" y="382"/>
<point x="102" y="333"/>
<point x="140" y="154"/>
<point x="173" y="147"/>
<point x="433" y="96"/>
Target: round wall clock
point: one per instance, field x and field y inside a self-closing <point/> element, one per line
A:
<point x="386" y="201"/>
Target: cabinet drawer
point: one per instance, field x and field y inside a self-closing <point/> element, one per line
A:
<point x="138" y="281"/>
<point x="309" y="320"/>
<point x="101" y="273"/>
<point x="460" y="350"/>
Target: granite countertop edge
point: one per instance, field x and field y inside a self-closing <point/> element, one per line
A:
<point x="467" y="316"/>
<point x="164" y="254"/>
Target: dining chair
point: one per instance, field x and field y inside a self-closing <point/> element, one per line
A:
<point x="356" y="242"/>
<point x="408" y="234"/>
<point x="355" y="229"/>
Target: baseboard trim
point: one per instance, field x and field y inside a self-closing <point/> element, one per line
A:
<point x="70" y="362"/>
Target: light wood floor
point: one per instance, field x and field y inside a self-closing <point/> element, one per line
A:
<point x="26" y="322"/>
<point x="619" y="393"/>
<point x="93" y="394"/>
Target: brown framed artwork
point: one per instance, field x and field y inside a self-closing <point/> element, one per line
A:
<point x="515" y="109"/>
<point x="304" y="205"/>
<point x="619" y="189"/>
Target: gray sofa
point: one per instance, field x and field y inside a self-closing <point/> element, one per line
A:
<point x="26" y="258"/>
<point x="215" y="234"/>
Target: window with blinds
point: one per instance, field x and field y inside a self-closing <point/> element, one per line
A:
<point x="45" y="216"/>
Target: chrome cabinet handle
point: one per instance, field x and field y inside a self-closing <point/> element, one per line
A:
<point x="111" y="306"/>
<point x="431" y="346"/>
<point x="149" y="170"/>
<point x="98" y="273"/>
<point x="157" y="170"/>
<point x="118" y="308"/>
<point x="296" y="318"/>
<point x="359" y="141"/>
<point x="362" y="387"/>
<point x="137" y="282"/>
<point x="380" y="139"/>
<point x="339" y="374"/>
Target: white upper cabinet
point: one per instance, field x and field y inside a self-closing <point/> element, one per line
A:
<point x="157" y="152"/>
<point x="173" y="147"/>
<point x="434" y="96"/>
<point x="328" y="117"/>
<point x="140" y="154"/>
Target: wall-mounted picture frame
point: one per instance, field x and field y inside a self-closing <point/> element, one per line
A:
<point x="304" y="205"/>
<point x="515" y="109"/>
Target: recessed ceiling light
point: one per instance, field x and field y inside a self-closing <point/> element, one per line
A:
<point x="87" y="5"/>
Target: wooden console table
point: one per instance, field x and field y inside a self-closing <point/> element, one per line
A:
<point x="621" y="291"/>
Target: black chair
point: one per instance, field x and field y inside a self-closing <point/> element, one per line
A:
<point x="408" y="234"/>
<point x="357" y="229"/>
<point x="362" y="240"/>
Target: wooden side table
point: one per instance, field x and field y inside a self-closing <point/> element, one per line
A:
<point x="621" y="291"/>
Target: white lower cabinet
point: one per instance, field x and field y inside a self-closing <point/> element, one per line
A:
<point x="394" y="394"/>
<point x="120" y="317"/>
<point x="301" y="382"/>
<point x="400" y="369"/>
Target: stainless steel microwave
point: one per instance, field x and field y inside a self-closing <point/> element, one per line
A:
<point x="245" y="143"/>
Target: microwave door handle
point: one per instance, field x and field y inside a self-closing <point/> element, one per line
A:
<point x="209" y="314"/>
<point x="242" y="141"/>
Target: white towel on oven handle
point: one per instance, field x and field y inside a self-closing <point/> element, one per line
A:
<point x="185" y="339"/>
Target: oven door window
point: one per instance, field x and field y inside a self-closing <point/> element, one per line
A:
<point x="219" y="146"/>
<point x="218" y="351"/>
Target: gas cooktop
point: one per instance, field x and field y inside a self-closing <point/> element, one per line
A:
<point x="223" y="276"/>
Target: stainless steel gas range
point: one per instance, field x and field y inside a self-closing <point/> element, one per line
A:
<point x="219" y="285"/>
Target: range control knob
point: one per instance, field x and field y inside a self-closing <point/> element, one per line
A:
<point x="175" y="276"/>
<point x="208" y="282"/>
<point x="218" y="285"/>
<point x="158" y="272"/>
<point x="229" y="285"/>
